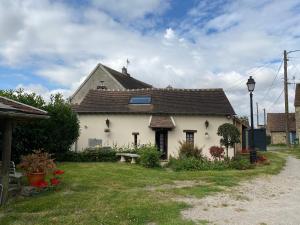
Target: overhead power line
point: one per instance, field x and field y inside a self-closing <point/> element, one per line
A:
<point x="276" y="100"/>
<point x="242" y="80"/>
<point x="273" y="81"/>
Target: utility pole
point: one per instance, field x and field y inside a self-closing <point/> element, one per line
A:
<point x="286" y="99"/>
<point x="257" y="116"/>
<point x="265" y="125"/>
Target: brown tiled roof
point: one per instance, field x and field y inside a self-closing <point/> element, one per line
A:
<point x="276" y="122"/>
<point x="127" y="81"/>
<point x="161" y="122"/>
<point x="8" y="105"/>
<point x="163" y="101"/>
<point x="297" y="95"/>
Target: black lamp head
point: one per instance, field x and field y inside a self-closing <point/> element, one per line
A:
<point x="251" y="84"/>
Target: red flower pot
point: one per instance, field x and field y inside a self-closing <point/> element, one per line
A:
<point x="35" y="178"/>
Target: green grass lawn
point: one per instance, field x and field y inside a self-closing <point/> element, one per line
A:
<point x="114" y="193"/>
<point x="293" y="151"/>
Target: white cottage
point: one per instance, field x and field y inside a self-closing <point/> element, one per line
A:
<point x="157" y="116"/>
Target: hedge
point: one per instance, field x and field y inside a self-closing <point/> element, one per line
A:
<point x="89" y="155"/>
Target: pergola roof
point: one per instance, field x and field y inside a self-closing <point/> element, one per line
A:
<point x="13" y="109"/>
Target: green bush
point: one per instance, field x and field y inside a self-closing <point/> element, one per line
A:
<point x="149" y="156"/>
<point x="89" y="155"/>
<point x="241" y="163"/>
<point x="192" y="164"/>
<point x="189" y="150"/>
<point x="54" y="135"/>
<point x="187" y="163"/>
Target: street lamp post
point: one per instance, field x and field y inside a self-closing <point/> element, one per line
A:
<point x="251" y="86"/>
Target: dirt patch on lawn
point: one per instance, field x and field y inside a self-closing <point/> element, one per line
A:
<point x="265" y="200"/>
<point x="177" y="184"/>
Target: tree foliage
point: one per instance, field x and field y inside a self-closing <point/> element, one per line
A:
<point x="55" y="134"/>
<point x="230" y="135"/>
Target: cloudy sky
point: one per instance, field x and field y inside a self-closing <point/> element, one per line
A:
<point x="50" y="46"/>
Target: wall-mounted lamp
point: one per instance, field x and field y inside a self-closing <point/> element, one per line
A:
<point x="206" y="135"/>
<point x="229" y="117"/>
<point x="206" y="124"/>
<point x="107" y="122"/>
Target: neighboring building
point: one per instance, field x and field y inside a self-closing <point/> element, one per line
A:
<point x="103" y="77"/>
<point x="242" y="125"/>
<point x="157" y="116"/>
<point x="297" y="110"/>
<point x="276" y="127"/>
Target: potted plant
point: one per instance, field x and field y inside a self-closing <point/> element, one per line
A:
<point x="37" y="165"/>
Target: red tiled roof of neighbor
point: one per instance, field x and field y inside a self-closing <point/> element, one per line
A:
<point x="163" y="101"/>
<point x="276" y="122"/>
<point x="9" y="105"/>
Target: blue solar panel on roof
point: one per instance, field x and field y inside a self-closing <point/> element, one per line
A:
<point x="140" y="100"/>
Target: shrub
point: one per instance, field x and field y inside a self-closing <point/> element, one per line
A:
<point x="241" y="163"/>
<point x="149" y="156"/>
<point x="216" y="152"/>
<point x="55" y="134"/>
<point x="189" y="150"/>
<point x="261" y="159"/>
<point x="103" y="154"/>
<point x="187" y="163"/>
<point x="194" y="164"/>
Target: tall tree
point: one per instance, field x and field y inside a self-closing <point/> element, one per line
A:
<point x="54" y="135"/>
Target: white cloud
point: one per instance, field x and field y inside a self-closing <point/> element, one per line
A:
<point x="132" y="9"/>
<point x="224" y="22"/>
<point x="65" y="43"/>
<point x="169" y="34"/>
<point x="43" y="91"/>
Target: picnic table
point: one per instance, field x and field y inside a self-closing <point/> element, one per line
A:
<point x="128" y="155"/>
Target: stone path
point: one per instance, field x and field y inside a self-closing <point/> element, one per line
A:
<point x="265" y="200"/>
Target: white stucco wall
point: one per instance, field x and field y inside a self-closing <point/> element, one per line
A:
<point x="122" y="127"/>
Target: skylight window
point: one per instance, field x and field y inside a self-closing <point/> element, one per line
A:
<point x="140" y="100"/>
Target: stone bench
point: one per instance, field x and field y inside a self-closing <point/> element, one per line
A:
<point x="128" y="155"/>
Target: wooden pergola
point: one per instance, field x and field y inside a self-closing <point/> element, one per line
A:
<point x="12" y="112"/>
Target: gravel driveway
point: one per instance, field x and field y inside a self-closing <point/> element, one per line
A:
<point x="265" y="200"/>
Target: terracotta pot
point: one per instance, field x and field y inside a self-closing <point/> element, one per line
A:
<point x="33" y="178"/>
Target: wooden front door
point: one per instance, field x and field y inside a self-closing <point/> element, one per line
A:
<point x="161" y="141"/>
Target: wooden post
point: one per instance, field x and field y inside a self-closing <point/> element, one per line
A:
<point x="286" y="99"/>
<point x="6" y="156"/>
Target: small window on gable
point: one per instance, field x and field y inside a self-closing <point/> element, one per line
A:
<point x="140" y="100"/>
<point x="94" y="143"/>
